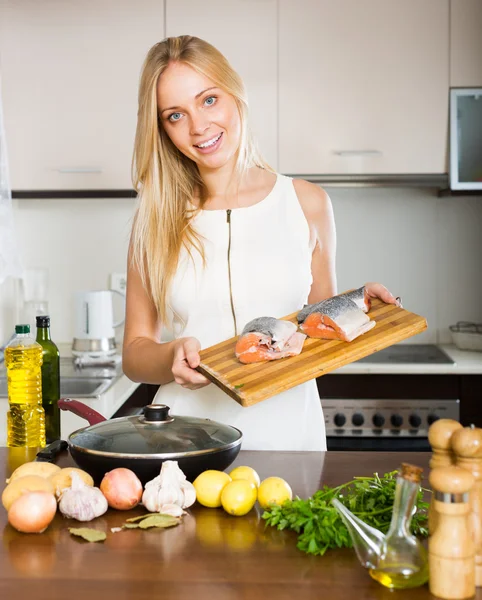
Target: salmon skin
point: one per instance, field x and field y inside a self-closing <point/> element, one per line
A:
<point x="267" y="338"/>
<point x="360" y="297"/>
<point x="341" y="317"/>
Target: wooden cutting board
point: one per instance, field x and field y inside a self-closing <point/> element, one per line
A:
<point x="253" y="383"/>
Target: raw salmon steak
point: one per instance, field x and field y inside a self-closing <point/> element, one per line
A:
<point x="267" y="338"/>
<point x="337" y="318"/>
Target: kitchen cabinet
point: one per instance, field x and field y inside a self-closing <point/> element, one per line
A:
<point x="70" y="74"/>
<point x="363" y="86"/>
<point x="465" y="43"/>
<point x="245" y="31"/>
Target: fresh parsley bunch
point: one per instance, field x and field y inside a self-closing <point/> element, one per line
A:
<point x="319" y="525"/>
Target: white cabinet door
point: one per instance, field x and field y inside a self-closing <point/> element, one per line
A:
<point x="465" y="43"/>
<point x="245" y="31"/>
<point x="70" y="73"/>
<point x="363" y="86"/>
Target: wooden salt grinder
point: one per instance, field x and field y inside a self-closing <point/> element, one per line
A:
<point x="451" y="549"/>
<point x="467" y="446"/>
<point x="439" y="436"/>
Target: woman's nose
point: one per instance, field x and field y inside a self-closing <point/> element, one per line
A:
<point x="199" y="124"/>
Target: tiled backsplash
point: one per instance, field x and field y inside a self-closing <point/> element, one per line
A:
<point x="426" y="249"/>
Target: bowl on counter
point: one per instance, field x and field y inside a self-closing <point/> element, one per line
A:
<point x="467" y="335"/>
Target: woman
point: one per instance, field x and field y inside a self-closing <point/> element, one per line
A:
<point x="218" y="239"/>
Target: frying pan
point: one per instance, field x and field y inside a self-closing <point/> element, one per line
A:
<point x="143" y="442"/>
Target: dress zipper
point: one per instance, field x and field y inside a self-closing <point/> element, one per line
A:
<point x="228" y="219"/>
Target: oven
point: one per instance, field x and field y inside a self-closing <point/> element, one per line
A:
<point x="389" y="411"/>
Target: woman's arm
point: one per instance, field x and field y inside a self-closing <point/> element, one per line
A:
<point x="316" y="205"/>
<point x="144" y="358"/>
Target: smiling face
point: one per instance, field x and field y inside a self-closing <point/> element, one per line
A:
<point x="201" y="120"/>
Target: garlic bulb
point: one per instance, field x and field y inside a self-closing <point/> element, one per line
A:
<point x="169" y="487"/>
<point x="81" y="501"/>
<point x="174" y="510"/>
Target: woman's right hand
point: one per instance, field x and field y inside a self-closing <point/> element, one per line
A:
<point x="186" y="359"/>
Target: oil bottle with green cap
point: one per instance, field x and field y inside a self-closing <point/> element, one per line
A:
<point x="50" y="379"/>
<point x="26" y="416"/>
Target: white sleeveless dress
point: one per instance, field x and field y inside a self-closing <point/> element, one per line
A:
<point x="270" y="260"/>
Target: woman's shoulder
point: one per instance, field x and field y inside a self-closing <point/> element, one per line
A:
<point x="314" y="200"/>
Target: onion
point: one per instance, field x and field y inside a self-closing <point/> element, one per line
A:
<point x="33" y="512"/>
<point x="122" y="488"/>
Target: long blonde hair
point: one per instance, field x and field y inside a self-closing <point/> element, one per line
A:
<point x="166" y="179"/>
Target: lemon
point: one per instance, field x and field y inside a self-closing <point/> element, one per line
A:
<point x="273" y="490"/>
<point x="209" y="485"/>
<point x="239" y="497"/>
<point x="245" y="473"/>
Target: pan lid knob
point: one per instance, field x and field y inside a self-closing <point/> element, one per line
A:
<point x="157" y="413"/>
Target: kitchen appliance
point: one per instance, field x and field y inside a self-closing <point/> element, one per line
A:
<point x="94" y="335"/>
<point x="143" y="442"/>
<point x="373" y="414"/>
<point x="35" y="287"/>
<point x="466" y="139"/>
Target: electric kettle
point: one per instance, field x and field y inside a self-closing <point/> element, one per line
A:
<point x="94" y="324"/>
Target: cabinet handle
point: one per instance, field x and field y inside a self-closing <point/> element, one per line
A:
<point x="358" y="152"/>
<point x="80" y="170"/>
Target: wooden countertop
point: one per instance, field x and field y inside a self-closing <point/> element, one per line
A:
<point x="211" y="555"/>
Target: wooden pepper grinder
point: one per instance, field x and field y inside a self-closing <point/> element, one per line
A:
<point x="439" y="436"/>
<point x="451" y="549"/>
<point x="467" y="445"/>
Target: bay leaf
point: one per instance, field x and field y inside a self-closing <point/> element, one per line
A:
<point x="91" y="535"/>
<point x="135" y="519"/>
<point x="130" y="526"/>
<point x="159" y="521"/>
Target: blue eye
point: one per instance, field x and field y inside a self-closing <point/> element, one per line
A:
<point x="210" y="100"/>
<point x="174" y="117"/>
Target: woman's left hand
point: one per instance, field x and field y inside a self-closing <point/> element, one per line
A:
<point x="377" y="290"/>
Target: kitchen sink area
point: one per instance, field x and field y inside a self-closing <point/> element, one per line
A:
<point x="78" y="381"/>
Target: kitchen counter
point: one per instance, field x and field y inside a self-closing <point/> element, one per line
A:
<point x="211" y="555"/>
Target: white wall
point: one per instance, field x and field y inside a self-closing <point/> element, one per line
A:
<point x="80" y="242"/>
<point x="426" y="249"/>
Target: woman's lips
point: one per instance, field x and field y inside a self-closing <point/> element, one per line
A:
<point x="212" y="147"/>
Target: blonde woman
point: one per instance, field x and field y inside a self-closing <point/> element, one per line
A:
<point x="218" y="239"/>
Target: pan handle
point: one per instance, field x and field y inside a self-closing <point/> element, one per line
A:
<point x="81" y="410"/>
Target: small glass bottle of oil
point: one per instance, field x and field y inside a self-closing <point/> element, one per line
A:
<point x="26" y="416"/>
<point x="403" y="561"/>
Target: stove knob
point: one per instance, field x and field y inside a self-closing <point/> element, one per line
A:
<point x="358" y="419"/>
<point x="415" y="421"/>
<point x="378" y="420"/>
<point x="432" y="418"/>
<point x="339" y="419"/>
<point x="396" y="420"/>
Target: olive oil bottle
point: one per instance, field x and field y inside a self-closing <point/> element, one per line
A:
<point x="50" y="379"/>
<point x="26" y="417"/>
<point x="403" y="562"/>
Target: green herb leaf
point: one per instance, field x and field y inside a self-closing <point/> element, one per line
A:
<point x="238" y="387"/>
<point x="319" y="525"/>
<point x="91" y="535"/>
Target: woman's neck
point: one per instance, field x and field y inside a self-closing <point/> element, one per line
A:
<point x="221" y="184"/>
